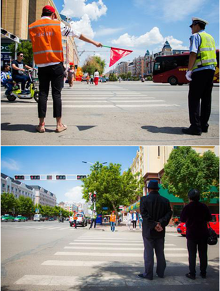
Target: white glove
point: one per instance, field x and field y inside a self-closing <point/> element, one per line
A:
<point x="189" y="75"/>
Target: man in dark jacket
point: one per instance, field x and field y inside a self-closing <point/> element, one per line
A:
<point x="156" y="214"/>
<point x="196" y="215"/>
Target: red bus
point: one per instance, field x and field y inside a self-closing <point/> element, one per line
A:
<point x="172" y="69"/>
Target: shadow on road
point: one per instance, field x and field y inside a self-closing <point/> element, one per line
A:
<point x="21" y="127"/>
<point x="166" y="129"/>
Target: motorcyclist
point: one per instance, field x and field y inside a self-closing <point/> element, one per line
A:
<point x="6" y="78"/>
<point x="18" y="69"/>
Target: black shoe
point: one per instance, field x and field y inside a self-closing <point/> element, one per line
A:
<point x="159" y="276"/>
<point x="203" y="275"/>
<point x="204" y="129"/>
<point x="188" y="275"/>
<point x="143" y="277"/>
<point x="191" y="132"/>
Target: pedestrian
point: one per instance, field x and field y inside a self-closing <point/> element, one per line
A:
<point x="46" y="37"/>
<point x="87" y="79"/>
<point x="18" y="70"/>
<point x="129" y="220"/>
<point x="156" y="213"/>
<point x="140" y="220"/>
<point x="113" y="221"/>
<point x="75" y="218"/>
<point x="6" y="78"/>
<point x="93" y="220"/>
<point x="201" y="69"/>
<point x="91" y="79"/>
<point x="96" y="77"/>
<point x="196" y="215"/>
<point x="71" y="75"/>
<point x="134" y="219"/>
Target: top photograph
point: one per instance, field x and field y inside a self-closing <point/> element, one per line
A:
<point x="98" y="72"/>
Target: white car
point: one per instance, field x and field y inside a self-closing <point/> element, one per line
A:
<point x="81" y="220"/>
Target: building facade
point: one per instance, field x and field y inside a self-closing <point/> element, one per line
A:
<point x="17" y="188"/>
<point x="70" y="207"/>
<point x="44" y="197"/>
<point x="17" y="15"/>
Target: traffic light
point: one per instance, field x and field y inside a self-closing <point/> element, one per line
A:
<point x="35" y="177"/>
<point x="80" y="177"/>
<point x="94" y="197"/>
<point x="19" y="177"/>
<point x="49" y="177"/>
<point x="60" y="177"/>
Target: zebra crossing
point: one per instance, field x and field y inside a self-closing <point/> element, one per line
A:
<point x="106" y="96"/>
<point x="37" y="227"/>
<point x="111" y="260"/>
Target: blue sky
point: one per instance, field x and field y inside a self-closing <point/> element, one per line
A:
<point x="61" y="160"/>
<point x="138" y="25"/>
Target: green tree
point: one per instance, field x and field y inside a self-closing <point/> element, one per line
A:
<point x="8" y="203"/>
<point x="112" y="77"/>
<point x="25" y="47"/>
<point x="128" y="75"/>
<point x="112" y="187"/>
<point x="186" y="169"/>
<point x="93" y="63"/>
<point x="25" y="206"/>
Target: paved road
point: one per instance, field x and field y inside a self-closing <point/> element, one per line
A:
<point x="127" y="113"/>
<point x="52" y="256"/>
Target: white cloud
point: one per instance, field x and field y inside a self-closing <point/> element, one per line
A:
<point x="78" y="8"/>
<point x="10" y="164"/>
<point x="75" y="195"/>
<point x="83" y="26"/>
<point x="153" y="37"/>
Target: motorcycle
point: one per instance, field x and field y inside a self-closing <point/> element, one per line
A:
<point x="15" y="92"/>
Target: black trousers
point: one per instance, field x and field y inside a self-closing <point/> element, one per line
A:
<point x="149" y="246"/>
<point x="199" y="99"/>
<point x="93" y="221"/>
<point x="54" y="75"/>
<point x="134" y="223"/>
<point x="202" y="249"/>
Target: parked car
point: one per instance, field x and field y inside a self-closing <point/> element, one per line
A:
<point x="181" y="228"/>
<point x="102" y="79"/>
<point x="214" y="224"/>
<point x="20" y="218"/>
<point x="51" y="219"/>
<point x="39" y="217"/>
<point x="81" y="220"/>
<point x="7" y="217"/>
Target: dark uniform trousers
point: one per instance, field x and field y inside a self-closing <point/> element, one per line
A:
<point x="200" y="88"/>
<point x="55" y="75"/>
<point x="202" y="249"/>
<point x="149" y="246"/>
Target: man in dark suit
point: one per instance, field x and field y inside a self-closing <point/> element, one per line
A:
<point x="156" y="214"/>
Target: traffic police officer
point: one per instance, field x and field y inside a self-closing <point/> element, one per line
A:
<point x="201" y="69"/>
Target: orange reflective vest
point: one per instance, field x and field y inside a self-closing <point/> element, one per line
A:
<point x="75" y="217"/>
<point x="46" y="41"/>
<point x="112" y="218"/>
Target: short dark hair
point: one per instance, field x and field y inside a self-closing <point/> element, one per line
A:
<point x="46" y="13"/>
<point x="18" y="54"/>
<point x="201" y="25"/>
<point x="5" y="66"/>
<point x="194" y="195"/>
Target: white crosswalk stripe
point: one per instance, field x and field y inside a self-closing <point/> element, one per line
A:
<point x="101" y="251"/>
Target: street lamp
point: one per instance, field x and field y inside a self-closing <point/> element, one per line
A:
<point x="94" y="163"/>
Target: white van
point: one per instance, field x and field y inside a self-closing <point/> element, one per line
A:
<point x="38" y="217"/>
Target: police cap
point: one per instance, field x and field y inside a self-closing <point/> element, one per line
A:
<point x="196" y="20"/>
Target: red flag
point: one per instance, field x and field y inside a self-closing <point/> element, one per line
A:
<point x="116" y="54"/>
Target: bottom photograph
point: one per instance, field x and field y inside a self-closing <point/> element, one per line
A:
<point x="109" y="218"/>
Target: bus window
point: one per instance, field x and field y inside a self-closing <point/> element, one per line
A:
<point x="157" y="66"/>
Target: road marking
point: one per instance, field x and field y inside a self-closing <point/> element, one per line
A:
<point x="107" y="279"/>
<point x="91" y="106"/>
<point x="108" y="101"/>
<point x="113" y="244"/>
<point x="54" y="227"/>
<point x="113" y="254"/>
<point x="113" y="264"/>
<point x="65" y="228"/>
<point x="108" y="239"/>
<point x="118" y="248"/>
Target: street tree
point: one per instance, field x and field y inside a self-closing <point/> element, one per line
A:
<point x="93" y="63"/>
<point x="8" y="203"/>
<point x="187" y="169"/>
<point x="25" y="47"/>
<point x="25" y="206"/>
<point x="112" y="187"/>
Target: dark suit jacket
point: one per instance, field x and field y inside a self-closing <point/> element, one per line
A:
<point x="154" y="208"/>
